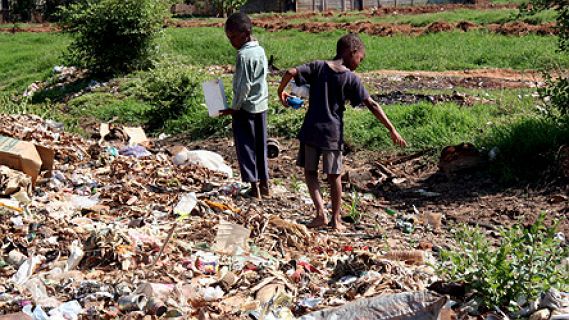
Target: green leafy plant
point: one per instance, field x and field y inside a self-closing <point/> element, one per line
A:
<point x="172" y="90"/>
<point x="295" y="183"/>
<point x="556" y="96"/>
<point x="526" y="262"/>
<point x="113" y="36"/>
<point x="556" y="93"/>
<point x="227" y="7"/>
<point x="353" y="212"/>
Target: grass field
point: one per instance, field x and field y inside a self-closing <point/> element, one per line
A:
<point x="28" y="57"/>
<point x="440" y="51"/>
<point x="510" y="121"/>
<point x="451" y="16"/>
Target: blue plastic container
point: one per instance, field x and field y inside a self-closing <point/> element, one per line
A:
<point x="294" y="102"/>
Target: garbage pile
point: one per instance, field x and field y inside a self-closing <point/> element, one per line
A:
<point x="122" y="228"/>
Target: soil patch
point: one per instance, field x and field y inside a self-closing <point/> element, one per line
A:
<point x="473" y="197"/>
<point x="384" y="29"/>
<point x="397" y="80"/>
<point x="399" y="97"/>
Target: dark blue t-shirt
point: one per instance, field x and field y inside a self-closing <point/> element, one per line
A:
<point x="323" y="125"/>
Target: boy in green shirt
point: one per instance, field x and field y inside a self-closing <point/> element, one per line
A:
<point x="250" y="104"/>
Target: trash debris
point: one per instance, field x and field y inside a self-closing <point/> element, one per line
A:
<point x="402" y="306"/>
<point x="186" y="204"/>
<point x="273" y="148"/>
<point x="136" y="151"/>
<point x="231" y="238"/>
<point x="25" y="156"/>
<point x="111" y="236"/>
<point x="204" y="158"/>
<point x="12" y="182"/>
<point x="461" y="157"/>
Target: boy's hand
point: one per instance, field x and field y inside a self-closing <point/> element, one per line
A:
<point x="397" y="139"/>
<point x="283" y="96"/>
<point x="227" y="112"/>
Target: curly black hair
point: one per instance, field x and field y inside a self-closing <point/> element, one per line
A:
<point x="239" y="22"/>
<point x="348" y="43"/>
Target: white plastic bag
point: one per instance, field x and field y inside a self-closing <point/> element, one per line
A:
<point x="186" y="204"/>
<point x="204" y="158"/>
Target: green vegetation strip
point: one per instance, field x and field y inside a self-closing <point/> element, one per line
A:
<point x="28" y="57"/>
<point x="440" y="51"/>
<point x="452" y="16"/>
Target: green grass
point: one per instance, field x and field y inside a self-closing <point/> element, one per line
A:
<point x="527" y="145"/>
<point x="451" y="16"/>
<point x="28" y="57"/>
<point x="440" y="51"/>
<point x="423" y="125"/>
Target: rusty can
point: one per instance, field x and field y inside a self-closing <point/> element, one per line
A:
<point x="134" y="302"/>
<point x="273" y="148"/>
<point x="156" y="307"/>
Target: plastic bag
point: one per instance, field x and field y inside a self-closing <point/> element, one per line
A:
<point x="402" y="306"/>
<point x="207" y="159"/>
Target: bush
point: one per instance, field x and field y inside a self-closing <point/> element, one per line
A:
<point x="113" y="36"/>
<point x="21" y="10"/>
<point x="526" y="263"/>
<point x="556" y="96"/>
<point x="174" y="92"/>
<point x="527" y="146"/>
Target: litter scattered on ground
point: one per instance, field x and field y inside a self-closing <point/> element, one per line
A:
<point x="107" y="234"/>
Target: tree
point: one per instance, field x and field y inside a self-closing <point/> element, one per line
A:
<point x="227" y="7"/>
<point x="21" y="10"/>
<point x="113" y="36"/>
<point x="556" y="93"/>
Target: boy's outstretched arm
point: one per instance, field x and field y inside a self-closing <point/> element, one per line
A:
<point x="377" y="111"/>
<point x="290" y="73"/>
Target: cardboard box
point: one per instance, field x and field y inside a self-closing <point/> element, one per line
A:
<point x="25" y="156"/>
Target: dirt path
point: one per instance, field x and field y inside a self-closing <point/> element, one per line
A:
<point x="40" y="28"/>
<point x="398" y="80"/>
<point x="472" y="198"/>
<point x="384" y="29"/>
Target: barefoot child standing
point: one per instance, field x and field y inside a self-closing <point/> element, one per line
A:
<point x="250" y="104"/>
<point x="322" y="132"/>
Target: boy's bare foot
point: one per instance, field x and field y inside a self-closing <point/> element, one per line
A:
<point x="318" y="222"/>
<point x="337" y="225"/>
<point x="264" y="188"/>
<point x="254" y="192"/>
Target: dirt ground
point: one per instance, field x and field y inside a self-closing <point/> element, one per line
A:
<point x="472" y="198"/>
<point x="392" y="80"/>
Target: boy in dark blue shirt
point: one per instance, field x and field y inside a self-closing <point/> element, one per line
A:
<point x="322" y="133"/>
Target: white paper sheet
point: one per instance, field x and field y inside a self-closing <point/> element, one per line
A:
<point x="215" y="98"/>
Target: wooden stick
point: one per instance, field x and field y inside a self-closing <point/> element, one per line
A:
<point x="165" y="243"/>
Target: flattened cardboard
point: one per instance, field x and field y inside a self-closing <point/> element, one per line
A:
<point x="25" y="156"/>
<point x="136" y="135"/>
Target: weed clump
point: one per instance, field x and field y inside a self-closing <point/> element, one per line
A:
<point x="528" y="261"/>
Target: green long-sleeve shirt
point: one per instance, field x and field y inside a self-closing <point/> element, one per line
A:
<point x="250" y="89"/>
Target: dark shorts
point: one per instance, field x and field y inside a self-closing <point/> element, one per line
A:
<point x="309" y="158"/>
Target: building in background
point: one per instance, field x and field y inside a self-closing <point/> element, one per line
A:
<point x="337" y="5"/>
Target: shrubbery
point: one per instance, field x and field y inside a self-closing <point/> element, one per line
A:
<point x="527" y="262"/>
<point x="175" y="94"/>
<point x="113" y="36"/>
<point x="556" y="94"/>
